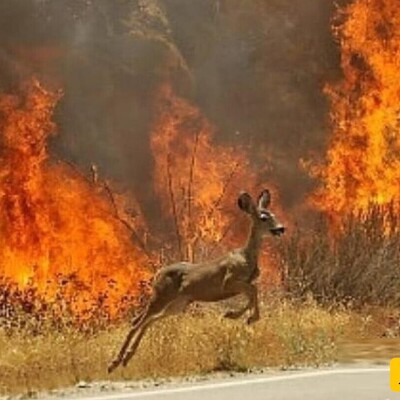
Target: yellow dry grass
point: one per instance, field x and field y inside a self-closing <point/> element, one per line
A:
<point x="198" y="342"/>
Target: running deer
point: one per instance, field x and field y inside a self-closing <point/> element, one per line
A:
<point x="177" y="285"/>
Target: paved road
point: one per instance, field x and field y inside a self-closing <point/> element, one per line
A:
<point x="334" y="384"/>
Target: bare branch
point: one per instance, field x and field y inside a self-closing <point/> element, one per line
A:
<point x="224" y="235"/>
<point x="95" y="181"/>
<point x="223" y="193"/>
<point x="173" y="205"/>
<point x="190" y="185"/>
<point x="133" y="231"/>
<point x="76" y="170"/>
<point x="226" y="185"/>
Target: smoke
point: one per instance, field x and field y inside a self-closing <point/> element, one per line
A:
<point x="260" y="67"/>
<point x="255" y="68"/>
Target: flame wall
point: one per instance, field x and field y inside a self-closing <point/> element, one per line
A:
<point x="57" y="229"/>
<point x="183" y="103"/>
<point x="362" y="163"/>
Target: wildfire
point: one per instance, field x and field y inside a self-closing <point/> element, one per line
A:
<point x="56" y="228"/>
<point x="198" y="180"/>
<point x="61" y="234"/>
<point x="363" y="160"/>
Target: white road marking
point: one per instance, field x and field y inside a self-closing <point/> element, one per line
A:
<point x="232" y="383"/>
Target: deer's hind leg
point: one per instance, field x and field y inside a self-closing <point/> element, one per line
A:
<point x="155" y="306"/>
<point x="176" y="306"/>
<point x="134" y="326"/>
<point x="165" y="291"/>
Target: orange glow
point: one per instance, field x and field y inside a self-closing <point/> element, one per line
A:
<point x="363" y="159"/>
<point x="60" y="233"/>
<point x="56" y="228"/>
<point x="198" y="180"/>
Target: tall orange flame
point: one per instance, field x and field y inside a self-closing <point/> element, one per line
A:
<point x="54" y="225"/>
<point x="363" y="160"/>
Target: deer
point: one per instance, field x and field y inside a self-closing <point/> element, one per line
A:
<point x="178" y="285"/>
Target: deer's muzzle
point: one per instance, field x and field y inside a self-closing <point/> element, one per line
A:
<point x="278" y="231"/>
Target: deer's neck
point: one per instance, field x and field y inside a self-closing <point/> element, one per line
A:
<point x="253" y="245"/>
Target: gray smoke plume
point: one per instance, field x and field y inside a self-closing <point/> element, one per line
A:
<point x="255" y="68"/>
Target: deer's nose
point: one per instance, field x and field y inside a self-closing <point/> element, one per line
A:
<point x="280" y="230"/>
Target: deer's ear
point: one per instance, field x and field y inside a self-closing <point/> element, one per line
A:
<point x="245" y="202"/>
<point x="264" y="200"/>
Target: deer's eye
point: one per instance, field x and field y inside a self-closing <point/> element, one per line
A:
<point x="264" y="216"/>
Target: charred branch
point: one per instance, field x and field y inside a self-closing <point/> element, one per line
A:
<point x="173" y="206"/>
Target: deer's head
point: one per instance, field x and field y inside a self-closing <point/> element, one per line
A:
<point x="260" y="212"/>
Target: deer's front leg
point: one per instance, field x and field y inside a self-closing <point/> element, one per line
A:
<point x="253" y="300"/>
<point x="250" y="291"/>
<point x="235" y="314"/>
<point x="229" y="285"/>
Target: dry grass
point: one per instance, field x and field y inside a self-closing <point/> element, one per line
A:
<point x="203" y="342"/>
<point x="40" y="350"/>
<point x="359" y="266"/>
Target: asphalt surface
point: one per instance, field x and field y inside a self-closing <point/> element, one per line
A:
<point x="333" y="384"/>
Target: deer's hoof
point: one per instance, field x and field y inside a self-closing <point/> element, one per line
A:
<point x="125" y="362"/>
<point x="114" y="364"/>
<point x="252" y="319"/>
<point x="232" y="315"/>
